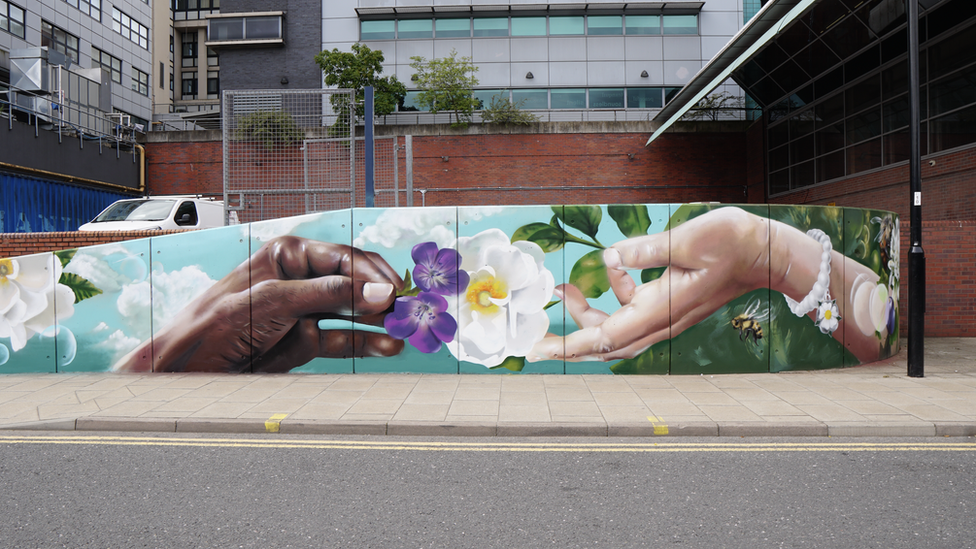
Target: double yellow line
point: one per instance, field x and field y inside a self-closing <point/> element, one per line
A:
<point x="433" y="446"/>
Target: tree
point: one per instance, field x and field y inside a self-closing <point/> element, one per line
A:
<point x="503" y="111"/>
<point x="356" y="70"/>
<point x="714" y="106"/>
<point x="447" y="83"/>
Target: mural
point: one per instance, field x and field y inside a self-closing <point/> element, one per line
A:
<point x="622" y="289"/>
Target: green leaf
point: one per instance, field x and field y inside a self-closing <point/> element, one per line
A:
<point x="653" y="361"/>
<point x="632" y="219"/>
<point x="547" y="237"/>
<point x="551" y="304"/>
<point x="513" y="363"/>
<point x="648" y="275"/>
<point x="65" y="256"/>
<point x="408" y="288"/>
<point x="585" y="219"/>
<point x="589" y="274"/>
<point x="82" y="288"/>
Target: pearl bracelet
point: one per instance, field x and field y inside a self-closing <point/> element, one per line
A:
<point x="821" y="288"/>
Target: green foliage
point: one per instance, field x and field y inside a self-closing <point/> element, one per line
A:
<point x="503" y="111"/>
<point x="270" y="128"/>
<point x="82" y="287"/>
<point x="513" y="363"/>
<point x="356" y="70"/>
<point x="632" y="219"/>
<point x="589" y="274"/>
<point x="446" y="85"/>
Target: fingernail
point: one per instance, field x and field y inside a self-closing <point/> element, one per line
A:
<point x="558" y="293"/>
<point x="377" y="292"/>
<point x="611" y="258"/>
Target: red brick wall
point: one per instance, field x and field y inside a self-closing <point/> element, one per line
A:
<point x="14" y="244"/>
<point x="579" y="168"/>
<point x="950" y="293"/>
<point x="185" y="168"/>
<point x="521" y="169"/>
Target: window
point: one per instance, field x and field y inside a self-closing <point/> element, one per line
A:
<point x="213" y="84"/>
<point x="643" y="24"/>
<point x="111" y="64"/>
<point x="607" y="98"/>
<point x="680" y="24"/>
<point x="485" y="96"/>
<point x="188" y="53"/>
<point x="644" y="98"/>
<point x="491" y="26"/>
<point x="59" y="40"/>
<point x="604" y="25"/>
<point x="528" y="26"/>
<point x="534" y="99"/>
<point x="569" y="99"/>
<point x="241" y="28"/>
<point x="11" y="18"/>
<point x="128" y="27"/>
<point x="189" y="85"/>
<point x="91" y="8"/>
<point x="140" y="82"/>
<point x="212" y="59"/>
<point x="452" y="28"/>
<point x="566" y="25"/>
<point x="415" y="28"/>
<point x="372" y="30"/>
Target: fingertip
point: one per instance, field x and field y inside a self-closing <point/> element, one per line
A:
<point x="377" y="292"/>
<point x="611" y="258"/>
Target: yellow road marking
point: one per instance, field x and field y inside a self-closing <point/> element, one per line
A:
<point x="273" y="424"/>
<point x="497" y="446"/>
<point x="661" y="429"/>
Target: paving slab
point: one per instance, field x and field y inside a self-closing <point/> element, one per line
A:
<point x="872" y="400"/>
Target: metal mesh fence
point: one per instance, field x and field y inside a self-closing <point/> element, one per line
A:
<point x="287" y="152"/>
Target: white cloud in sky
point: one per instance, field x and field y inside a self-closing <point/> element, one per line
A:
<point x="397" y="227"/>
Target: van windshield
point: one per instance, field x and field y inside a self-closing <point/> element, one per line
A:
<point x="136" y="210"/>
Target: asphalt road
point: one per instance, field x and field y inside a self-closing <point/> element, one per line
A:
<point x="76" y="490"/>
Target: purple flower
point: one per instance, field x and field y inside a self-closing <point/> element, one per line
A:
<point x="422" y="320"/>
<point x="437" y="270"/>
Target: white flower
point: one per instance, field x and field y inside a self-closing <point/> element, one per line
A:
<point x="500" y="313"/>
<point x="828" y="316"/>
<point x="29" y="297"/>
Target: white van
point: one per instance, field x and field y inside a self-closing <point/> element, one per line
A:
<point x="160" y="213"/>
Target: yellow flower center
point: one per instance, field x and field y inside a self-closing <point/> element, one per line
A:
<point x="480" y="291"/>
<point x="6" y="268"/>
<point x="827" y="314"/>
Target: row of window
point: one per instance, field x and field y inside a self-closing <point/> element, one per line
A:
<point x="128" y="27"/>
<point x="139" y="80"/>
<point x="190" y="85"/>
<point x="11" y="18"/>
<point x="91" y="8"/>
<point x="865" y="125"/>
<point x="190" y="49"/>
<point x="265" y="27"/>
<point x="567" y="98"/>
<point x="192" y="5"/>
<point x="562" y="25"/>
<point x="60" y="40"/>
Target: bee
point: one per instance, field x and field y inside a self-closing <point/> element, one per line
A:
<point x="884" y="237"/>
<point x="748" y="323"/>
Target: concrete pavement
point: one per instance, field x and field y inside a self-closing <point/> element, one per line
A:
<point x="873" y="400"/>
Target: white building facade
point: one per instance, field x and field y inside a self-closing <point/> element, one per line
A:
<point x="564" y="60"/>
